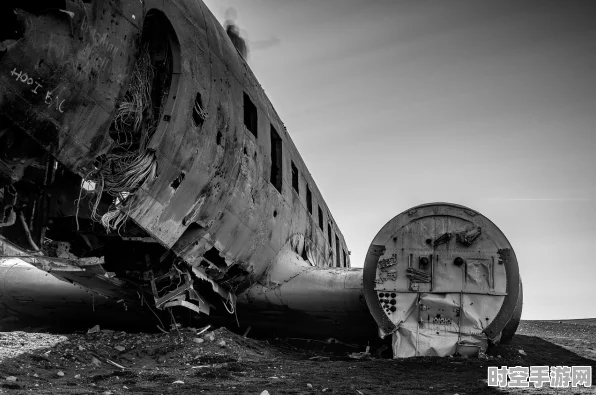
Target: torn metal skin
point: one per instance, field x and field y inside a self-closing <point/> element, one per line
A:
<point x="127" y="162"/>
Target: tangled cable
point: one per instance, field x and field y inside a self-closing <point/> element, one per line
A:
<point x="130" y="163"/>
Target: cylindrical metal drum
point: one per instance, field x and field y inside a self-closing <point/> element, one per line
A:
<point x="442" y="279"/>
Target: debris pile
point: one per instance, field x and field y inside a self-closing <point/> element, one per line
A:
<point x="101" y="358"/>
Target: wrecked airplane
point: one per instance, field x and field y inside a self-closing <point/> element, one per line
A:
<point x="141" y="159"/>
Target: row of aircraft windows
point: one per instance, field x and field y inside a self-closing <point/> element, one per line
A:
<point x="276" y="178"/>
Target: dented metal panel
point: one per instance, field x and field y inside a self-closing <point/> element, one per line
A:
<point x="435" y="278"/>
<point x="138" y="154"/>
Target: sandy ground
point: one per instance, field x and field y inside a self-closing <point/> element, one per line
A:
<point x="221" y="362"/>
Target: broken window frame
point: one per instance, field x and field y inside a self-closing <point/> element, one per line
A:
<point x="276" y="176"/>
<point x="295" y="179"/>
<point x="250" y="115"/>
<point x="308" y="199"/>
<point x="321" y="219"/>
<point x="337" y="254"/>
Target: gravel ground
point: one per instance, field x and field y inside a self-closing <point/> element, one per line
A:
<point x="221" y="362"/>
<point x="578" y="336"/>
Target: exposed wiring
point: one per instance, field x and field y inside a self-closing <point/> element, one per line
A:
<point x="27" y="232"/>
<point x="156" y="316"/>
<point x="226" y="306"/>
<point x="175" y="323"/>
<point x="130" y="163"/>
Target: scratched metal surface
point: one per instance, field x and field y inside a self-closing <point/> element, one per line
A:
<point x="61" y="90"/>
<point x="61" y="83"/>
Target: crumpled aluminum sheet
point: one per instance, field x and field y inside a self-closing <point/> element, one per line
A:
<point x="419" y="333"/>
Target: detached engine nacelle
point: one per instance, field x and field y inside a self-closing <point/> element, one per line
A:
<point x="441" y="278"/>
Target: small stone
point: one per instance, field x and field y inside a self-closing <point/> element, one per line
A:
<point x="222" y="343"/>
<point x="77" y="376"/>
<point x="522" y="352"/>
<point x="95" y="329"/>
<point x="265" y="392"/>
<point x="106" y="393"/>
<point x="178" y="382"/>
<point x="81" y="348"/>
<point x="198" y="340"/>
<point x="35" y="375"/>
<point x="11" y="378"/>
<point x="96" y="362"/>
<point x="120" y="348"/>
<point x="308" y="385"/>
<point x="210" y="337"/>
<point x="60" y="373"/>
<point x="325" y="390"/>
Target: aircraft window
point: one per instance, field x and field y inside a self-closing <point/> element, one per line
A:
<point x="320" y="218"/>
<point x="276" y="160"/>
<point x="198" y="114"/>
<point x="250" y="115"/>
<point x="308" y="200"/>
<point x="295" y="178"/>
<point x="337" y="257"/>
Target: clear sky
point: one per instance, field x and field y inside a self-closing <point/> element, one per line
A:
<point x="489" y="104"/>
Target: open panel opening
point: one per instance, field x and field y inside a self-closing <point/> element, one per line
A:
<point x="198" y="114"/>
